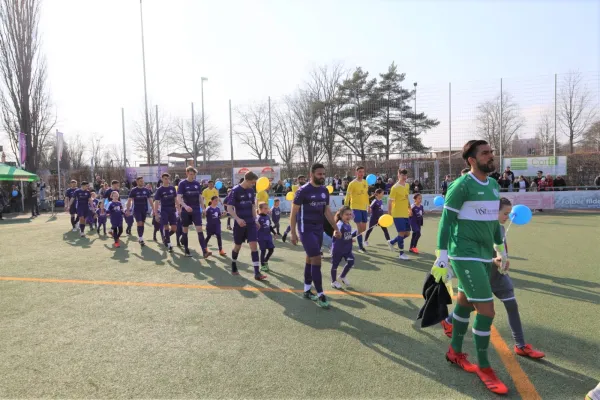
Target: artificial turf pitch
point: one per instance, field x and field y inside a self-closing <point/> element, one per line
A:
<point x="80" y="319"/>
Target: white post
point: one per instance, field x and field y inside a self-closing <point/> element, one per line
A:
<point x="58" y="162"/>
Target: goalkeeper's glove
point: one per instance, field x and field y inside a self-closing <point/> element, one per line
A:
<point x="501" y="250"/>
<point x="441" y="267"/>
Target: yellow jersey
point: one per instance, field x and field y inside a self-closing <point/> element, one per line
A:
<point x="208" y="194"/>
<point x="262" y="197"/>
<point x="295" y="188"/>
<point x="357" y="195"/>
<point x="399" y="194"/>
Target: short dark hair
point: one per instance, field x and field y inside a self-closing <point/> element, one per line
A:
<point x="83" y="183"/>
<point x="214" y="197"/>
<point x="165" y="174"/>
<point x="250" y="176"/>
<point x="241" y="180"/>
<point x="378" y="191"/>
<point x="402" y="171"/>
<point x="316" y="166"/>
<point x="191" y="169"/>
<point x="275" y="201"/>
<point x="504" y="202"/>
<point x="470" y="149"/>
<point x="416" y="195"/>
<point x="139" y="177"/>
<point x="359" y="168"/>
<point x="114" y="182"/>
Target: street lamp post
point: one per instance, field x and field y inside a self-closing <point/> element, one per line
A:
<point x="415" y="121"/>
<point x="145" y="89"/>
<point x="202" y="79"/>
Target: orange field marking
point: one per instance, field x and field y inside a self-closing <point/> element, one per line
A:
<point x="207" y="287"/>
<point x="519" y="377"/>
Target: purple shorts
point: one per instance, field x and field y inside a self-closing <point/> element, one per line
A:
<point x="248" y="233"/>
<point x="213" y="229"/>
<point x="266" y="244"/>
<point x="311" y="237"/>
<point x="191" y="218"/>
<point x="84" y="212"/>
<point x="129" y="220"/>
<point x="168" y="217"/>
<point x="140" y="213"/>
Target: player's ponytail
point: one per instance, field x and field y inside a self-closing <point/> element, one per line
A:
<point x="341" y="211"/>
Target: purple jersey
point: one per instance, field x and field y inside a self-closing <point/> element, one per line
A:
<point x="166" y="195"/>
<point x="190" y="192"/>
<point x="312" y="201"/>
<point x="417" y="215"/>
<point x="376" y="209"/>
<point x="276" y="214"/>
<point x="243" y="201"/>
<point x="140" y="197"/>
<point x="115" y="210"/>
<point x="82" y="197"/>
<point x="69" y="193"/>
<point x="101" y="213"/>
<point x="265" y="230"/>
<point x="343" y="245"/>
<point x="213" y="216"/>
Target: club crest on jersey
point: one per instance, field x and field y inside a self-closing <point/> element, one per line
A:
<point x="496" y="193"/>
<point x="323" y="195"/>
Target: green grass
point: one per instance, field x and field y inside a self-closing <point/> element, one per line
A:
<point x="109" y="341"/>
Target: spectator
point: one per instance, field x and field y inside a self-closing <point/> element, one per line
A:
<point x="388" y="185"/>
<point x="560" y="183"/>
<point x="542" y="185"/>
<point x="15" y="201"/>
<point x="42" y="191"/>
<point x="416" y="187"/>
<point x="223" y="190"/>
<point x="509" y="174"/>
<point x="379" y="184"/>
<point x="538" y="178"/>
<point x="33" y="193"/>
<point x="597" y="182"/>
<point x="344" y="187"/>
<point x="177" y="180"/>
<point x="278" y="188"/>
<point x="504" y="182"/>
<point x="445" y="184"/>
<point x="549" y="183"/>
<point x="97" y="183"/>
<point x="337" y="183"/>
<point x="521" y="184"/>
<point x="3" y="202"/>
<point x="495" y="175"/>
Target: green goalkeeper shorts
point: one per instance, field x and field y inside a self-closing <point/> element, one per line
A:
<point x="473" y="280"/>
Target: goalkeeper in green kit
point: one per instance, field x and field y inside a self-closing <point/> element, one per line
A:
<point x="468" y="233"/>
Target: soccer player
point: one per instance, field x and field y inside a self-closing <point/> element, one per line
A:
<point x="115" y="211"/>
<point x="240" y="205"/>
<point x="213" y="223"/>
<point x="416" y="222"/>
<point x="276" y="215"/>
<point x="209" y="193"/>
<point x="468" y="233"/>
<point x="71" y="204"/>
<point x="376" y="212"/>
<point x="357" y="197"/>
<point x="399" y="209"/>
<point x="342" y="248"/>
<point x="83" y="199"/>
<point x="101" y="214"/>
<point x="129" y="220"/>
<point x="141" y="198"/>
<point x="190" y="198"/>
<point x="265" y="240"/>
<point x="310" y="208"/>
<point x="165" y="198"/>
<point x="503" y="289"/>
<point x="107" y="194"/>
<point x="301" y="182"/>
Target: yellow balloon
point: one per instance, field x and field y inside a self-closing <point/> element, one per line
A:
<point x="262" y="184"/>
<point x="385" y="221"/>
<point x="289" y="196"/>
<point x="330" y="189"/>
<point x="176" y="187"/>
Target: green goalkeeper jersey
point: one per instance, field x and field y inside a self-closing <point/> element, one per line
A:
<point x="469" y="227"/>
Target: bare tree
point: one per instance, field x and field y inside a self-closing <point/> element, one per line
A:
<point x="501" y="116"/>
<point x="285" y="141"/>
<point x="24" y="99"/>
<point x="76" y="149"/>
<point x="324" y="92"/>
<point x="180" y="136"/>
<point x="591" y="138"/>
<point x="147" y="146"/>
<point x="96" y="151"/>
<point x="253" y="129"/>
<point x="544" y="133"/>
<point x="304" y="115"/>
<point x="576" y="113"/>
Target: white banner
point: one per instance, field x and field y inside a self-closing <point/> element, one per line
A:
<point x="59" y="145"/>
<point x="273" y="173"/>
<point x="529" y="166"/>
<point x="150" y="174"/>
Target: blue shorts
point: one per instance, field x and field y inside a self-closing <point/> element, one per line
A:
<point x="402" y="224"/>
<point x="189" y="218"/>
<point x="140" y="214"/>
<point x="360" y="216"/>
<point x="311" y="237"/>
<point x="168" y="217"/>
<point x="248" y="233"/>
<point x="266" y="244"/>
<point x="84" y="212"/>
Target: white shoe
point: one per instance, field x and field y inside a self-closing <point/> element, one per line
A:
<point x="365" y="243"/>
<point x="75" y="229"/>
<point x="81" y="234"/>
<point x="391" y="246"/>
<point x="140" y="239"/>
<point x="336" y="285"/>
<point x="404" y="257"/>
<point x="346" y="281"/>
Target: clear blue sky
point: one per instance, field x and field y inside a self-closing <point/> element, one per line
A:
<point x="250" y="49"/>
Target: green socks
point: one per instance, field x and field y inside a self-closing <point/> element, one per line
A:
<point x="460" y="323"/>
<point x="481" y="336"/>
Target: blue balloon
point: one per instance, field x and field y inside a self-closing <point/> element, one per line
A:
<point x="219" y="185"/>
<point x="15" y="193"/>
<point x="105" y="203"/>
<point x="371" y="179"/>
<point x="271" y="202"/>
<point x="438" y="201"/>
<point x="520" y="214"/>
<point x="287" y="184"/>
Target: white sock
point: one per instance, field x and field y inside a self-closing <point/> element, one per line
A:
<point x="307" y="287"/>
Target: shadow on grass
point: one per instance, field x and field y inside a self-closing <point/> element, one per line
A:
<point x="15" y="221"/>
<point x="579" y="283"/>
<point x="554" y="290"/>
